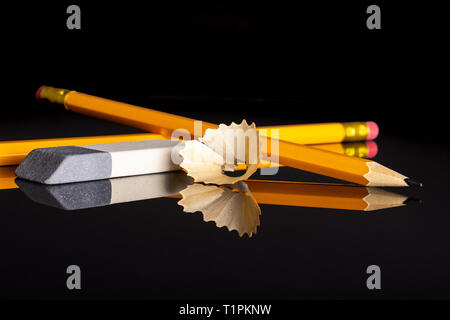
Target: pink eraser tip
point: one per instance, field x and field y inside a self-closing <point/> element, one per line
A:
<point x="373" y="130"/>
<point x="38" y="92"/>
<point x="373" y="149"/>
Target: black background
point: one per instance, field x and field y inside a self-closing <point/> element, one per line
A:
<point x="318" y="58"/>
<point x="272" y="63"/>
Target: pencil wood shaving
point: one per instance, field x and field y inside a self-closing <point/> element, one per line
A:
<point x="220" y="150"/>
<point x="232" y="207"/>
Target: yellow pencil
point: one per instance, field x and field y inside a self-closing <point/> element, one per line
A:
<point x="165" y="123"/>
<point x="13" y="152"/>
<point x="356" y="170"/>
<point x="318" y="133"/>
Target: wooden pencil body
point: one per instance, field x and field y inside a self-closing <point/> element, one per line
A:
<point x="291" y="154"/>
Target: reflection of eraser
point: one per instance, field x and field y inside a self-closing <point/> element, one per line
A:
<point x="373" y="130"/>
<point x="373" y="149"/>
<point x="101" y="161"/>
<point x="90" y="194"/>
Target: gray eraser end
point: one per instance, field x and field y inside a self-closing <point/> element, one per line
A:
<point x="65" y="165"/>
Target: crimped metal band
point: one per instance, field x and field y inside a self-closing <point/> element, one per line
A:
<point x="355" y="131"/>
<point x="54" y="95"/>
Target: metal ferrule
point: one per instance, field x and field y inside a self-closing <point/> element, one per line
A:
<point x="54" y="95"/>
<point x="355" y="131"/>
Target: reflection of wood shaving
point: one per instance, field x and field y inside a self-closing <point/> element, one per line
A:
<point x="228" y="206"/>
<point x="221" y="150"/>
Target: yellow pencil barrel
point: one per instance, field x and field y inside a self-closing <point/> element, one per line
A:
<point x="327" y="132"/>
<point x="151" y="120"/>
<point x="290" y="153"/>
<point x="13" y="152"/>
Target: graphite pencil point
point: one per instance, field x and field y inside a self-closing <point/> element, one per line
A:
<point x="413" y="183"/>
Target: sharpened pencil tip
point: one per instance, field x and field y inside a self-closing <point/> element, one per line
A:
<point x="413" y="183"/>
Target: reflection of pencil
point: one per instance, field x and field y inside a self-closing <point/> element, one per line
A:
<point x="362" y="149"/>
<point x="90" y="194"/>
<point x="298" y="156"/>
<point x="324" y="195"/>
<point x="13" y="152"/>
<point x="7" y="177"/>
